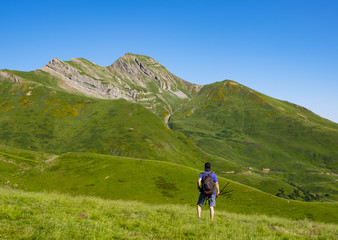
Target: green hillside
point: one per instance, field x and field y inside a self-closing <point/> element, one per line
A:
<point x="256" y="131"/>
<point x="70" y="106"/>
<point x="39" y="118"/>
<point x="148" y="181"/>
<point x="54" y="216"/>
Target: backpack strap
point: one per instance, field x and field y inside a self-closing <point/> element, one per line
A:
<point x="205" y="174"/>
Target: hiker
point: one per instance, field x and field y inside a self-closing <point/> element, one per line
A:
<point x="205" y="184"/>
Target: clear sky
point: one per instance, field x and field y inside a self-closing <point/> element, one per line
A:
<point x="287" y="49"/>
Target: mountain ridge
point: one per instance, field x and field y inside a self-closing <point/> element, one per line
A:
<point x="238" y="126"/>
<point x="94" y="85"/>
<point x="133" y="77"/>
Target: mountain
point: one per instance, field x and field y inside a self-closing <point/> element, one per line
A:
<point x="132" y="77"/>
<point x="47" y="119"/>
<point x="79" y="106"/>
<point x="288" y="141"/>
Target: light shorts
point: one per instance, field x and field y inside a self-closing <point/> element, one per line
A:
<point x="203" y="197"/>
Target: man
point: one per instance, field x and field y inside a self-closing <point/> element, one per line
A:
<point x="203" y="196"/>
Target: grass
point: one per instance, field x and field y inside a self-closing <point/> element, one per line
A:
<point x="48" y="120"/>
<point x="39" y="77"/>
<point x="26" y="215"/>
<point x="148" y="181"/>
<point x="264" y="183"/>
<point x="228" y="124"/>
<point x="234" y="122"/>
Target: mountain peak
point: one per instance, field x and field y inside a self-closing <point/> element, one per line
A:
<point x="139" y="60"/>
<point x="133" y="77"/>
<point x="141" y="67"/>
<point x="143" y="70"/>
<point x="129" y="54"/>
<point x="54" y="60"/>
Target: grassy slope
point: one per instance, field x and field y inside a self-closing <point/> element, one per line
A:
<point x="148" y="181"/>
<point x="235" y="122"/>
<point x="41" y="118"/>
<point x="239" y="133"/>
<point x="55" y="216"/>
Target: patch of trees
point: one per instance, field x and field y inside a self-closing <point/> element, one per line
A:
<point x="298" y="193"/>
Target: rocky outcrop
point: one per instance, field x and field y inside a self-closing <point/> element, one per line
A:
<point x="142" y="70"/>
<point x="10" y="77"/>
<point x="86" y="84"/>
<point x="132" y="77"/>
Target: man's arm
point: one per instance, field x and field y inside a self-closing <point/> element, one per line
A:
<point x="199" y="183"/>
<point x="217" y="188"/>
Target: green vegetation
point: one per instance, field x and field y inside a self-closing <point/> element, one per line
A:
<point x="52" y="140"/>
<point x="236" y="123"/>
<point x="149" y="181"/>
<point x="92" y="70"/>
<point x="261" y="181"/>
<point x="39" y="77"/>
<point x="42" y="119"/>
<point x="54" y="216"/>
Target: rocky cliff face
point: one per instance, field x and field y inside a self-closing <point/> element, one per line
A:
<point x="142" y="70"/>
<point x="132" y="77"/>
<point x="10" y="77"/>
<point x="86" y="84"/>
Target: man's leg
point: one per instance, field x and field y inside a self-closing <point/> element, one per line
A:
<point x="199" y="209"/>
<point x="212" y="204"/>
<point x="200" y="203"/>
<point x="211" y="213"/>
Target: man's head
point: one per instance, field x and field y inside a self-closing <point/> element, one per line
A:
<point x="207" y="166"/>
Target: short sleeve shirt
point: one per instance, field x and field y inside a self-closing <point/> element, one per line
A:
<point x="212" y="174"/>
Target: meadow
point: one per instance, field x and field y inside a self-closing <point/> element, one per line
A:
<point x="25" y="215"/>
<point x="148" y="181"/>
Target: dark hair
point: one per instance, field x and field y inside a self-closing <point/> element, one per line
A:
<point x="207" y="166"/>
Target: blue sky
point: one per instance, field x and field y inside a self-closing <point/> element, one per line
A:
<point x="285" y="49"/>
